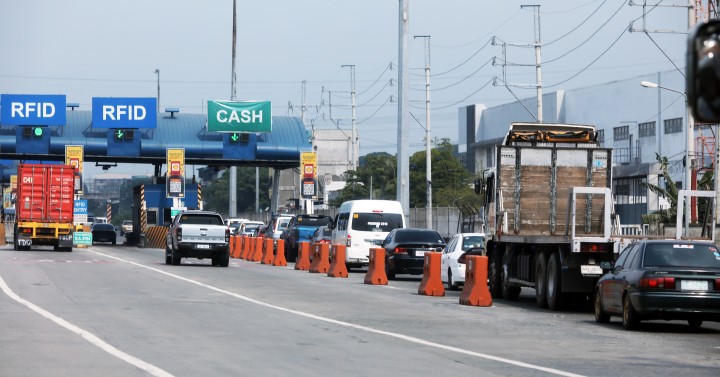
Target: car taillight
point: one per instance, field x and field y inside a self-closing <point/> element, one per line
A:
<point x="227" y="235"/>
<point x="657" y="283"/>
<point x="179" y="234"/>
<point x="400" y="250"/>
<point x="349" y="240"/>
<point x="462" y="259"/>
<point x="717" y="284"/>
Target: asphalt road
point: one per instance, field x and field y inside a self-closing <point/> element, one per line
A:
<point x="120" y="311"/>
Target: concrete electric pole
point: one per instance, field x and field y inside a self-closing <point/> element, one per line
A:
<point x="403" y="159"/>
<point x="428" y="147"/>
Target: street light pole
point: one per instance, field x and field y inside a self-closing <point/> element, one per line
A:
<point x="157" y="72"/>
<point x="688" y="148"/>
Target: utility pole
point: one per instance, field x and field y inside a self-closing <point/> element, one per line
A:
<point x="232" y="184"/>
<point x="538" y="63"/>
<point x="403" y="159"/>
<point x="352" y="101"/>
<point x="428" y="149"/>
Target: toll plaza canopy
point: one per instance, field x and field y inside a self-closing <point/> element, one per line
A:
<point x="279" y="149"/>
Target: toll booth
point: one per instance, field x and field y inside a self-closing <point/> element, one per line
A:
<point x="158" y="207"/>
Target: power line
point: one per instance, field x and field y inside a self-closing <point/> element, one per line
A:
<point x="578" y="25"/>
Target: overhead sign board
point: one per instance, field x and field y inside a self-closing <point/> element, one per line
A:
<point x="243" y="116"/>
<point x="74" y="158"/>
<point x="124" y="112"/>
<point x="175" y="181"/>
<point x="33" y="109"/>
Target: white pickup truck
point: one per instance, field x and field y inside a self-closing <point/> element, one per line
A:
<point x="198" y="234"/>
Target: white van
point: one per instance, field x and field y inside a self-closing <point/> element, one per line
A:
<point x="362" y="224"/>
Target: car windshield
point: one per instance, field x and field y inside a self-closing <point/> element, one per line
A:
<point x="251" y="227"/>
<point x="473" y="242"/>
<point x="376" y="222"/>
<point x="313" y="221"/>
<point x="681" y="255"/>
<point x="418" y="236"/>
<point x="201" y="219"/>
<point x="100" y="226"/>
<point x="283" y="224"/>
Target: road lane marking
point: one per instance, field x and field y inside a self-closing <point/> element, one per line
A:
<point x="351" y="325"/>
<point x="94" y="340"/>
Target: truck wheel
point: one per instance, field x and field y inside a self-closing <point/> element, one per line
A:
<point x="168" y="258"/>
<point x="509" y="292"/>
<point x="555" y="297"/>
<point x="224" y="260"/>
<point x="175" y="257"/>
<point x="540" y="281"/>
<point x="495" y="275"/>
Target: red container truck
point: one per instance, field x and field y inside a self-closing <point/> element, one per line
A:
<point x="44" y="206"/>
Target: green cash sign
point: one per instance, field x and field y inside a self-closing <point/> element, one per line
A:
<point x="82" y="238"/>
<point x="230" y="116"/>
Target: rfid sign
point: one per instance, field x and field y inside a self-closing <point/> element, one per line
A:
<point x="31" y="109"/>
<point x="124" y="112"/>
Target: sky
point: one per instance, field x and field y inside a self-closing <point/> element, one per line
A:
<point x="98" y="48"/>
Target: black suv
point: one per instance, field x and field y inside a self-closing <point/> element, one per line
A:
<point x="301" y="229"/>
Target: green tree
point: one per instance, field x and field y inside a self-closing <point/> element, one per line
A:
<point x="450" y="179"/>
<point x="670" y="193"/>
<point x="216" y="193"/>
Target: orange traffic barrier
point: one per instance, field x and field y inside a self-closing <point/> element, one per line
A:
<point x="303" y="259"/>
<point x="247" y="241"/>
<point x="337" y="267"/>
<point x="238" y="245"/>
<point x="233" y="247"/>
<point x="268" y="256"/>
<point x="321" y="259"/>
<point x="431" y="284"/>
<point x="376" y="270"/>
<point x="257" y="253"/>
<point x="475" y="290"/>
<point x="279" y="259"/>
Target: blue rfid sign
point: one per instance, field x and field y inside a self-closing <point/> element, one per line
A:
<point x="124" y="112"/>
<point x="32" y="109"/>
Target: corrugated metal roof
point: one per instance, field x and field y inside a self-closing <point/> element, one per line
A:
<point x="280" y="148"/>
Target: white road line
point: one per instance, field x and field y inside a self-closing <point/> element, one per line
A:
<point x="94" y="340"/>
<point x="351" y="325"/>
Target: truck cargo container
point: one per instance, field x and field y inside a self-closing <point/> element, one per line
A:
<point x="44" y="206"/>
<point x="549" y="205"/>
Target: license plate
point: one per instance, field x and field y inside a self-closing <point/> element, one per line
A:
<point x="589" y="269"/>
<point x="419" y="253"/>
<point x="202" y="246"/>
<point x="694" y="285"/>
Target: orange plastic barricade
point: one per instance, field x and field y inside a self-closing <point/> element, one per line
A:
<point x="235" y="246"/>
<point x="475" y="291"/>
<point x="267" y="256"/>
<point x="303" y="259"/>
<point x="248" y="242"/>
<point x="257" y="253"/>
<point x="337" y="268"/>
<point x="321" y="259"/>
<point x="431" y="284"/>
<point x="376" y="270"/>
<point x="279" y="259"/>
<point x="238" y="246"/>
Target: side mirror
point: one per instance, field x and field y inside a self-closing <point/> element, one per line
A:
<point x="703" y="72"/>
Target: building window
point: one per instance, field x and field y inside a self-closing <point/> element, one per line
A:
<point x="630" y="190"/>
<point x="600" y="136"/>
<point x="673" y="126"/>
<point x="646" y="129"/>
<point x="621" y="133"/>
<point x="489" y="157"/>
